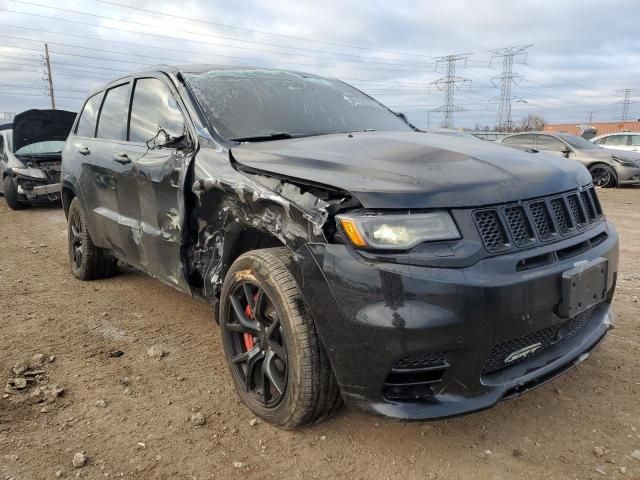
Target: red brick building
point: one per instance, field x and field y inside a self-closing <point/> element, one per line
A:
<point x="602" y="128"/>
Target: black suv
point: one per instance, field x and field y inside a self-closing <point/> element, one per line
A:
<point x="346" y="254"/>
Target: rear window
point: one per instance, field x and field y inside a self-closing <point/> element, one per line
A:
<point x="87" y="123"/>
<point x="113" y="113"/>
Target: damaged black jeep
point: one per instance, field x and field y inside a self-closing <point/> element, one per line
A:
<point x="30" y="149"/>
<point x="346" y="254"/>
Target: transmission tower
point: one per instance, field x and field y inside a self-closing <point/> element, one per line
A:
<point x="448" y="84"/>
<point x="505" y="80"/>
<point x="627" y="93"/>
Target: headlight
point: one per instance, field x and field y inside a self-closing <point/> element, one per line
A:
<point x="624" y="161"/>
<point x="397" y="232"/>
<point x="30" y="172"/>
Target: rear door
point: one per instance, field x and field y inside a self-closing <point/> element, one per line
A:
<point x="160" y="176"/>
<point x="110" y="178"/>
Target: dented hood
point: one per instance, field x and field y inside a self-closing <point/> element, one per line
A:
<point x="414" y="169"/>
<point x="35" y="126"/>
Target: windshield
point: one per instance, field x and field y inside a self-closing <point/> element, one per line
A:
<point x="41" y="148"/>
<point x="579" y="142"/>
<point x="248" y="104"/>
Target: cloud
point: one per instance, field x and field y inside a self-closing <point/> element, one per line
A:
<point x="582" y="50"/>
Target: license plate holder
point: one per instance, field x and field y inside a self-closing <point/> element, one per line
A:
<point x="583" y="286"/>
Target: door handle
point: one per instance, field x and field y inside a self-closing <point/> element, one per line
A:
<point x="84" y="151"/>
<point x="122" y="159"/>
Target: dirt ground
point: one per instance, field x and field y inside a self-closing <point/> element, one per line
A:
<point x="131" y="415"/>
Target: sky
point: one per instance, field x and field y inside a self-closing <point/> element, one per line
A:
<point x="580" y="54"/>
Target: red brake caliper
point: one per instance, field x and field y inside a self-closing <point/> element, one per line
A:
<point x="248" y="338"/>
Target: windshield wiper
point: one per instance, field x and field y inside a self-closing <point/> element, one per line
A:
<point x="264" y="138"/>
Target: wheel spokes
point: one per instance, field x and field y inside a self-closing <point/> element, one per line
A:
<point x="258" y="354"/>
<point x="244" y="324"/>
<point x="270" y="372"/>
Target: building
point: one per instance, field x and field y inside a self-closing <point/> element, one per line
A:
<point x="601" y="127"/>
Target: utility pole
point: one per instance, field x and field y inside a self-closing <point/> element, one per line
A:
<point x="505" y="80"/>
<point x="48" y="78"/>
<point x="627" y="93"/>
<point x="448" y="84"/>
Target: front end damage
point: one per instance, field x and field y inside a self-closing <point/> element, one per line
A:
<point x="237" y="213"/>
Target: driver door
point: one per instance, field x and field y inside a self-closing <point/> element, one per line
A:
<point x="160" y="178"/>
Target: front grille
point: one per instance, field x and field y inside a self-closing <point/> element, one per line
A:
<point x="540" y="220"/>
<point x="491" y="230"/>
<point x="499" y="357"/>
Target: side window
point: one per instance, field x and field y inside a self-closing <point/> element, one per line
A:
<point x="617" y="140"/>
<point x="546" y="142"/>
<point x="521" y="141"/>
<point x="153" y="107"/>
<point x="635" y="140"/>
<point x="87" y="123"/>
<point x="113" y="113"/>
<point x="601" y="141"/>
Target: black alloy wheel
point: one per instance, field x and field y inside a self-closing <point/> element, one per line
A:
<point x="603" y="176"/>
<point x="75" y="238"/>
<point x="258" y="349"/>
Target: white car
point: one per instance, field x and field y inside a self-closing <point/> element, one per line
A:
<point x="629" y="141"/>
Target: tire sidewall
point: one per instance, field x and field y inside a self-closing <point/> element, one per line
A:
<point x="250" y="268"/>
<point x="11" y="196"/>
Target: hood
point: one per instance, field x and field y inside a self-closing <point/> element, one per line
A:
<point x="414" y="169"/>
<point x="35" y="126"/>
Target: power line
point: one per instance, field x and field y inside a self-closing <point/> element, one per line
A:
<point x="190" y="32"/>
<point x="262" y="32"/>
<point x="506" y="79"/>
<point x="449" y="83"/>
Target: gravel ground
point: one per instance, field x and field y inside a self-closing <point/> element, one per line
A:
<point x="97" y="405"/>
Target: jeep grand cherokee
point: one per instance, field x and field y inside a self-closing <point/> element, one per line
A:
<point x="347" y="256"/>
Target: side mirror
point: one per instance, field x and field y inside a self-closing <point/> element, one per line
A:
<point x="163" y="139"/>
<point x="566" y="152"/>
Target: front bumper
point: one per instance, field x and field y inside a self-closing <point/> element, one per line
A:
<point x="371" y="315"/>
<point x="628" y="175"/>
<point x="37" y="191"/>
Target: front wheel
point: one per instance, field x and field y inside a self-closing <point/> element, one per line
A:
<point x="11" y="195"/>
<point x="88" y="262"/>
<point x="603" y="175"/>
<point x="279" y="367"/>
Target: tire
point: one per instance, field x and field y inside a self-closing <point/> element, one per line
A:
<point x="603" y="175"/>
<point x="88" y="262"/>
<point x="11" y="196"/>
<point x="283" y="348"/>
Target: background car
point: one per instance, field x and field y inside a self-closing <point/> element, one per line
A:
<point x="30" y="156"/>
<point x="607" y="169"/>
<point x="629" y="141"/>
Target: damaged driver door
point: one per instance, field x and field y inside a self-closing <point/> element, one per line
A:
<point x="155" y="120"/>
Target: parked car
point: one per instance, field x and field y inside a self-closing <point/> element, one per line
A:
<point x="30" y="159"/>
<point x="346" y="255"/>
<point x="629" y="141"/>
<point x="607" y="169"/>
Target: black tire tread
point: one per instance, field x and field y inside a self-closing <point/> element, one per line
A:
<point x="321" y="395"/>
<point x="11" y="194"/>
<point x="98" y="263"/>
